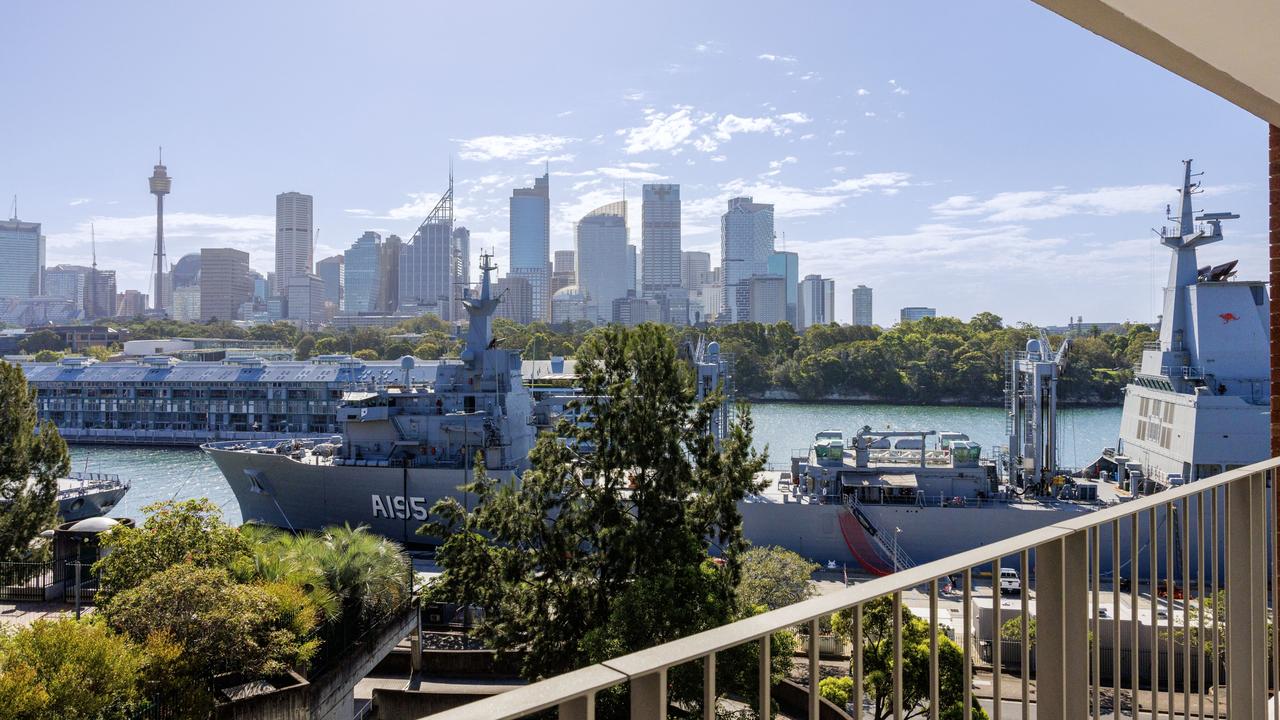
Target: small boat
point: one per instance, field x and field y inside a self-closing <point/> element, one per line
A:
<point x="89" y="494"/>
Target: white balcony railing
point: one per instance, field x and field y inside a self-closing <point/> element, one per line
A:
<point x="1187" y="544"/>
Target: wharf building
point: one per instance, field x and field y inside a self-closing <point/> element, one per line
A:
<point x="160" y="400"/>
<point x="530" y="254"/>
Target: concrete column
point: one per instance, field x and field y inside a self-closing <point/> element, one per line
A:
<point x="1273" y="171"/>
<point x="649" y="696"/>
<point x="1062" y="628"/>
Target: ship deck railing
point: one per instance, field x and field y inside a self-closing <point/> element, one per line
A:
<point x="1096" y="644"/>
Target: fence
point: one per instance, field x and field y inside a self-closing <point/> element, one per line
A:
<point x="49" y="580"/>
<point x="1226" y="515"/>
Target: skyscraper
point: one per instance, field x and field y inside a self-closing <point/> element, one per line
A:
<point x="694" y="265"/>
<point x="461" y="269"/>
<point x="330" y="271"/>
<point x="862" y="306"/>
<point x="305" y="296"/>
<point x="293" y="238"/>
<point x="426" y="262"/>
<point x="563" y="273"/>
<point x="531" y="242"/>
<point x="225" y="283"/>
<point x="746" y="241"/>
<point x="787" y="265"/>
<point x="660" y="238"/>
<point x="601" y="239"/>
<point x="388" y="296"/>
<point x="632" y="268"/>
<point x="767" y="299"/>
<point x="160" y="184"/>
<point x="911" y="314"/>
<point x="362" y="274"/>
<point x="21" y="259"/>
<point x="517" y="299"/>
<point x="816" y="304"/>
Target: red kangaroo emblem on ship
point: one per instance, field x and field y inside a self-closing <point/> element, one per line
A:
<point x="1228" y="317"/>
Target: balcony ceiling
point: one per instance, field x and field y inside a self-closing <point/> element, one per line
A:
<point x="1228" y="47"/>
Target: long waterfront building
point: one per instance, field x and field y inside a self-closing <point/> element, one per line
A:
<point x="159" y="400"/>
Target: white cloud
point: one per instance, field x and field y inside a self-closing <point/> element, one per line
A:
<point x="718" y="158"/>
<point x="564" y="113"/>
<point x="357" y="211"/>
<point x="510" y="147"/>
<point x="633" y="95"/>
<point x="811" y="75"/>
<point x="709" y="47"/>
<point x="125" y="244"/>
<point x="898" y="89"/>
<point x="868" y="114"/>
<point x="683" y="125"/>
<point x="863" y="92"/>
<point x="1029" y="205"/>
<point x="547" y="159"/>
<point x="80" y="201"/>
<point x="775" y="166"/>
<point x="770" y="57"/>
<point x="887" y="182"/>
<point x="662" y="131"/>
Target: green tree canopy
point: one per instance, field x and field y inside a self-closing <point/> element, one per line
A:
<point x="190" y="532"/>
<point x="877" y="662"/>
<point x="774" y="577"/>
<point x="614" y="544"/>
<point x="31" y="461"/>
<point x="68" y="669"/>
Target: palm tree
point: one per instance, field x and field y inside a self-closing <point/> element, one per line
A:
<point x="368" y="574"/>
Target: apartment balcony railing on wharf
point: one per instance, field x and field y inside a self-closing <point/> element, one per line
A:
<point x="1204" y="548"/>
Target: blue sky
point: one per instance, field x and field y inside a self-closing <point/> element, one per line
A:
<point x="971" y="156"/>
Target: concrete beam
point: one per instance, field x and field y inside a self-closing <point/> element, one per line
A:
<point x="1227" y="47"/>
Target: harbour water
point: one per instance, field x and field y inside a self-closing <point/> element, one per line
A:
<point x="166" y="473"/>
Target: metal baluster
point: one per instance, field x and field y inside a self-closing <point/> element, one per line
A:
<point x="897" y="656"/>
<point x="933" y="650"/>
<point x="1201" y="547"/>
<point x="1025" y="646"/>
<point x="709" y="682"/>
<point x="1170" y="665"/>
<point x="1153" y="591"/>
<point x="1115" y="617"/>
<point x="815" y="672"/>
<point x="857" y="660"/>
<point x="1095" y="653"/>
<point x="766" y="673"/>
<point x="1135" y="578"/>
<point x="967" y="647"/>
<point x="1216" y="666"/>
<point x="1183" y="526"/>
<point x="997" y="606"/>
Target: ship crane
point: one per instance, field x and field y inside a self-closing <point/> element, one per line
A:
<point x="1032" y="404"/>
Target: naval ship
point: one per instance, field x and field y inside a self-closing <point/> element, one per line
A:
<point x="403" y="446"/>
<point x="1197" y="406"/>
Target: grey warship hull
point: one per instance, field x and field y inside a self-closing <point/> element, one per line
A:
<point x="275" y="489"/>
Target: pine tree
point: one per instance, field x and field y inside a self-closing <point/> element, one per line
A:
<point x="605" y="545"/>
<point x="31" y="461"/>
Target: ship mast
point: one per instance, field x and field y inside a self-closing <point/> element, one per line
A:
<point x="480" y="310"/>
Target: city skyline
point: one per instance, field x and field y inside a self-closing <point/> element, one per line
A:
<point x="978" y="179"/>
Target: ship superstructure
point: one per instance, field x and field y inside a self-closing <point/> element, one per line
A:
<point x="403" y="446"/>
<point x="1198" y="403"/>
